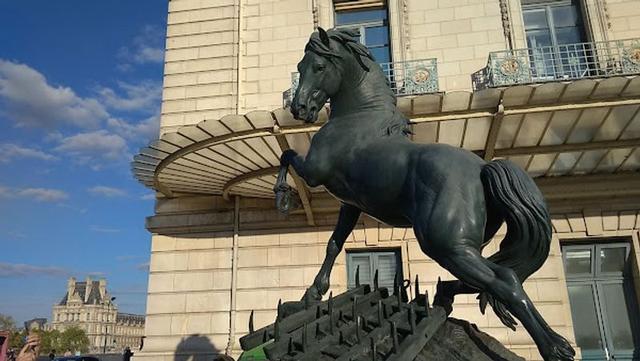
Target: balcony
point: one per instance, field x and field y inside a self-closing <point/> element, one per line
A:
<point x="412" y="77"/>
<point x="560" y="63"/>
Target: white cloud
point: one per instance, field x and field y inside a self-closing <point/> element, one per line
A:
<point x="11" y="270"/>
<point x="43" y="194"/>
<point x="101" y="229"/>
<point x="9" y="152"/>
<point x="29" y="100"/>
<point x="37" y="194"/>
<point x="148" y="197"/>
<point x="145" y="130"/>
<point x="109" y="192"/>
<point x="94" y="148"/>
<point x="147" y="47"/>
<point x="145" y="96"/>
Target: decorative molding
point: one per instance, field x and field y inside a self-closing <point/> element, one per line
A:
<point x="506" y="22"/>
<point x="405" y="25"/>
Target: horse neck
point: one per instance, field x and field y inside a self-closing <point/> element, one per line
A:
<point x="362" y="91"/>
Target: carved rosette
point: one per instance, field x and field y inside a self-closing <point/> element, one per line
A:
<point x="631" y="58"/>
<point x="421" y="78"/>
<point x="509" y="70"/>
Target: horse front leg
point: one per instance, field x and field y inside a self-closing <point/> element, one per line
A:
<point x="283" y="191"/>
<point x="347" y="220"/>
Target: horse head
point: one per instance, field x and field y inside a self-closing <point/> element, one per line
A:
<point x="323" y="69"/>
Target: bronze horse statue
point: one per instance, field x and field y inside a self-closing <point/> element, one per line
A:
<point x="454" y="200"/>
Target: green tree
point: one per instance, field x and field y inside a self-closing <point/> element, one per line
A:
<point x="74" y="339"/>
<point x="7" y="323"/>
<point x="50" y="340"/>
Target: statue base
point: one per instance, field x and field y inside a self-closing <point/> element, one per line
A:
<point x="370" y="325"/>
<point x="459" y="340"/>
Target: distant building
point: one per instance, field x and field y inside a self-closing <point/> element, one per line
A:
<point x="89" y="306"/>
<point x="36" y="324"/>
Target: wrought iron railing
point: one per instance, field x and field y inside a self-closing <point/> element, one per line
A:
<point x="412" y="77"/>
<point x="562" y="62"/>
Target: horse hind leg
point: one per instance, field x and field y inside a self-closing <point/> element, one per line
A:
<point x="468" y="265"/>
<point x="446" y="291"/>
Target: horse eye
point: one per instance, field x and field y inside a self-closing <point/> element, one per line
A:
<point x="320" y="68"/>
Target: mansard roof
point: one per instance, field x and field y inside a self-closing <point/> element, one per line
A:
<point x="80" y="290"/>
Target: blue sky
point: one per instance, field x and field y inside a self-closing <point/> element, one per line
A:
<point x="80" y="90"/>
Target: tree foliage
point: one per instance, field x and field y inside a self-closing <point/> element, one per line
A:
<point x="7" y="323"/>
<point x="73" y="339"/>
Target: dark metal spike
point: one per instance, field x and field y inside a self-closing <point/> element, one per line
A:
<point x="318" y="331"/>
<point x="416" y="284"/>
<point x="398" y="292"/>
<point x="341" y="316"/>
<point x="332" y="321"/>
<point x="318" y="312"/>
<point x="330" y="303"/>
<point x="354" y="307"/>
<point x="251" y="327"/>
<point x="394" y="337"/>
<point x="290" y="346"/>
<point x="304" y="337"/>
<point x="358" y="276"/>
<point x="375" y="281"/>
<point x="340" y="338"/>
<point x="412" y="318"/>
<point x="427" y="306"/>
<point x="276" y="330"/>
<point x="358" y="329"/>
<point x="380" y="313"/>
<point x="265" y="336"/>
<point x="374" y="351"/>
<point x="279" y="311"/>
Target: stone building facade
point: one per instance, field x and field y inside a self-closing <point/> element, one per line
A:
<point x="551" y="85"/>
<point x="89" y="306"/>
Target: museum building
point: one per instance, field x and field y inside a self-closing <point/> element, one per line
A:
<point x="552" y="85"/>
<point x="89" y="306"/>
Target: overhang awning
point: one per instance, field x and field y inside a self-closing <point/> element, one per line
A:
<point x="554" y="129"/>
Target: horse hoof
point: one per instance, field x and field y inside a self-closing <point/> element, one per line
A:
<point x="561" y="350"/>
<point x="283" y="198"/>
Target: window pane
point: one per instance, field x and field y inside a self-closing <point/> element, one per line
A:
<point x="381" y="54"/>
<point x="565" y="16"/>
<point x="377" y="35"/>
<point x="617" y="311"/>
<point x="354" y="17"/>
<point x="364" y="261"/>
<point x="612" y="259"/>
<point x="386" y="270"/>
<point x="568" y="36"/>
<point x="585" y="321"/>
<point x="578" y="261"/>
<point x="535" y="19"/>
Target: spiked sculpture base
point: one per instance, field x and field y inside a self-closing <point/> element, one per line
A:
<point x="363" y="324"/>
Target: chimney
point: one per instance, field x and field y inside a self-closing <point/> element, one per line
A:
<point x="103" y="289"/>
<point x="87" y="289"/>
<point x="71" y="286"/>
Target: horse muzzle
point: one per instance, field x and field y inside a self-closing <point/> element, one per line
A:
<point x="304" y="113"/>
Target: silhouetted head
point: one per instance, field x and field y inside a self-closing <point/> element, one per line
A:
<point x="323" y="68"/>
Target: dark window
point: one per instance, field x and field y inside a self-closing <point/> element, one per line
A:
<point x="603" y="302"/>
<point x="387" y="263"/>
<point x="555" y="36"/>
<point x="373" y="27"/>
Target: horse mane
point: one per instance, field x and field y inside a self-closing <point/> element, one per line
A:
<point x="397" y="124"/>
<point x="347" y="38"/>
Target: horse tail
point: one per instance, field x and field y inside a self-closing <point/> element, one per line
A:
<point x="511" y="192"/>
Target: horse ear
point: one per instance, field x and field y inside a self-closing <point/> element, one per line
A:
<point x="323" y="36"/>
